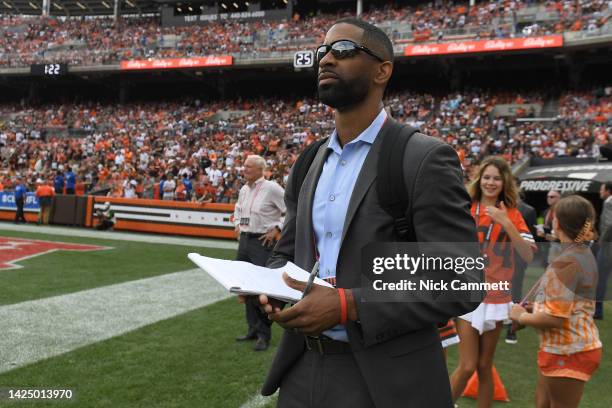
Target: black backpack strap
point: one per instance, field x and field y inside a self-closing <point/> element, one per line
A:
<point x="393" y="195"/>
<point x="302" y="164"/>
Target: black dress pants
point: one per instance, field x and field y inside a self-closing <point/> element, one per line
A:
<point x="19" y="217"/>
<point x="251" y="249"/>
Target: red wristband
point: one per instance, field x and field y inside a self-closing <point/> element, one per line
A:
<point x="343" y="306"/>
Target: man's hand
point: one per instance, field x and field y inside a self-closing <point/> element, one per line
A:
<point x="237" y="229"/>
<point x="318" y="311"/>
<point x="267" y="305"/>
<point x="270" y="305"/>
<point x="269" y="238"/>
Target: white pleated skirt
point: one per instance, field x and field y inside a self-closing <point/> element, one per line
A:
<point x="486" y="316"/>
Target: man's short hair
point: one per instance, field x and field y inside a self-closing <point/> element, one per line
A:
<point x="608" y="185"/>
<point x="373" y="37"/>
<point x="258" y="160"/>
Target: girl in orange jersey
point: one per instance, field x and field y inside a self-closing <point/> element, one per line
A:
<point x="570" y="349"/>
<point x="501" y="232"/>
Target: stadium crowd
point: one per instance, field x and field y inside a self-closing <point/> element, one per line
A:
<point x="198" y="149"/>
<point x="24" y="41"/>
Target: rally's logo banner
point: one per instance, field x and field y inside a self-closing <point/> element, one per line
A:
<point x="171" y="63"/>
<point x="13" y="250"/>
<point x="502" y="44"/>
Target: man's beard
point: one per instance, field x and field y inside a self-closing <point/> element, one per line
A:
<point x="342" y="94"/>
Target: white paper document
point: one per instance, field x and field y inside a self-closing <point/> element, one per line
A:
<point x="244" y="278"/>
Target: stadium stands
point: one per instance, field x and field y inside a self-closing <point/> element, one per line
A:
<point x="28" y="40"/>
<point x="109" y="145"/>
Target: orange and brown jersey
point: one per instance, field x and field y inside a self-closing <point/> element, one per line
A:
<point x="567" y="290"/>
<point x="497" y="246"/>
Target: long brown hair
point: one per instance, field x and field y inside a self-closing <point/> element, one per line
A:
<point x="576" y="217"/>
<point x="509" y="192"/>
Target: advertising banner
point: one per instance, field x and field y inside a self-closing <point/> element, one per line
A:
<point x="502" y="44"/>
<point x="7" y="202"/>
<point x="173" y="63"/>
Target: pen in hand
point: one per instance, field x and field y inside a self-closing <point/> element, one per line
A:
<point x="311" y="278"/>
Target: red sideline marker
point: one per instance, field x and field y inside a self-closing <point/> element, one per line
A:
<point x="13" y="250"/>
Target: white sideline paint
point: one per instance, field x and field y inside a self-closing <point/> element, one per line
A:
<point x="34" y="330"/>
<point x="257" y="401"/>
<point x="121" y="236"/>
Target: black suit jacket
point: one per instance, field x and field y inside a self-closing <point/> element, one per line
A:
<point x="529" y="215"/>
<point x="388" y="336"/>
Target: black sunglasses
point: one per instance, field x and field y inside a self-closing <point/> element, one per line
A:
<point x="343" y="49"/>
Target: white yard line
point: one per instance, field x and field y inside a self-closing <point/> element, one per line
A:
<point x="121" y="236"/>
<point x="257" y="401"/>
<point x="34" y="330"/>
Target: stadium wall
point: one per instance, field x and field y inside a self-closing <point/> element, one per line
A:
<point x="166" y="217"/>
<point x="141" y="215"/>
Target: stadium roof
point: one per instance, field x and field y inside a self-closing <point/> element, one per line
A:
<point x="78" y="7"/>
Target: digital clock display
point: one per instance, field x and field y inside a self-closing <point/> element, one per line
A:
<point x="49" y="69"/>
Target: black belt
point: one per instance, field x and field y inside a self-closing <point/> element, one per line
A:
<point x="252" y="234"/>
<point x="326" y="345"/>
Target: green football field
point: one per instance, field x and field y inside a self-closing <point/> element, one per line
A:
<point x="136" y="325"/>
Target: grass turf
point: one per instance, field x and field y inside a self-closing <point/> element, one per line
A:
<point x="192" y="360"/>
<point x="188" y="361"/>
<point x="65" y="272"/>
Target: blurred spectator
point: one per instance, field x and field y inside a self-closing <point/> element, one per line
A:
<point x="169" y="188"/>
<point x="44" y="193"/>
<point x="129" y="189"/>
<point x="188" y="188"/>
<point x="20" y="197"/>
<point x="58" y="183"/>
<point x="70" y="181"/>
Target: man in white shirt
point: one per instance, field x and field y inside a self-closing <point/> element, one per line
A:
<point x="169" y="187"/>
<point x="215" y="174"/>
<point x="258" y="219"/>
<point x="129" y="189"/>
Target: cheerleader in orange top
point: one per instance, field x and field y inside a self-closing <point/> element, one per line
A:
<point x="501" y="231"/>
<point x="570" y="349"/>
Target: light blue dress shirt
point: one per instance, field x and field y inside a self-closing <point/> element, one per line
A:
<point x="332" y="197"/>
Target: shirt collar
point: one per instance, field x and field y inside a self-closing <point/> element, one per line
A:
<point x="367" y="136"/>
<point x="258" y="181"/>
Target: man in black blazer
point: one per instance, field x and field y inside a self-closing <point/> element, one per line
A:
<point x="604" y="255"/>
<point x="387" y="354"/>
<point x="530" y="217"/>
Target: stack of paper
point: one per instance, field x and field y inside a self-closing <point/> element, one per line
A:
<point x="244" y="278"/>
